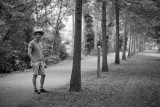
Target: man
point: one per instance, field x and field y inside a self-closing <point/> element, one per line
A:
<point x="35" y="52"/>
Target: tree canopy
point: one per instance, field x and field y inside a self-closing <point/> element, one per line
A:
<point x="19" y="18"/>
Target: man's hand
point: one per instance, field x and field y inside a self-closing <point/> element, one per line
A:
<point x="33" y="61"/>
<point x="45" y="66"/>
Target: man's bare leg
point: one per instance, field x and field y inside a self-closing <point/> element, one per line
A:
<point x="42" y="90"/>
<point x="42" y="81"/>
<point x="34" y="81"/>
<point x="34" y="84"/>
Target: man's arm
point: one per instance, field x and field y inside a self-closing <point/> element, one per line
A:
<point x="44" y="62"/>
<point x="29" y="52"/>
<point x="43" y="58"/>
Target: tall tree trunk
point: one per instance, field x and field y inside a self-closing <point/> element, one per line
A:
<point x="83" y="28"/>
<point x="117" y="60"/>
<point x="73" y="28"/>
<point x="139" y="44"/>
<point x="73" y="34"/>
<point x="95" y="35"/>
<point x="158" y="41"/>
<point x="75" y="82"/>
<point x="124" y="39"/>
<point x="104" y="38"/>
<point x="129" y="49"/>
<point x="142" y="45"/>
<point x="113" y="43"/>
<point x="134" y="43"/>
<point x="144" y="42"/>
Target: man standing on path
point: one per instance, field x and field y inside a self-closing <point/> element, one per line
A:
<point x="35" y="52"/>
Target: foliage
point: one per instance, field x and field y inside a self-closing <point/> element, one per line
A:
<point x="19" y="17"/>
<point x="63" y="53"/>
<point x="142" y="15"/>
<point x="17" y="21"/>
<point x="88" y="34"/>
<point x="16" y="30"/>
<point x="94" y="52"/>
<point x="51" y="18"/>
<point x="60" y="52"/>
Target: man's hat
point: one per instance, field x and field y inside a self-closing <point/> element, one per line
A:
<point x="41" y="32"/>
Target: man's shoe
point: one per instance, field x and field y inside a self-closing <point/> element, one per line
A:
<point x="43" y="91"/>
<point x="36" y="91"/>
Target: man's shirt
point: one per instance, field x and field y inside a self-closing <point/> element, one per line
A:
<point x="36" y="50"/>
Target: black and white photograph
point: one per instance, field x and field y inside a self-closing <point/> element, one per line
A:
<point x="79" y="53"/>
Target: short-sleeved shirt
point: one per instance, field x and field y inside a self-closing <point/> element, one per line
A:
<point x="37" y="50"/>
<point x="37" y="54"/>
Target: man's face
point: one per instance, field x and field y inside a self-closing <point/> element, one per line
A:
<point x="38" y="36"/>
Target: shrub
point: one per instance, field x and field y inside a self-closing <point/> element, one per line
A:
<point x="63" y="53"/>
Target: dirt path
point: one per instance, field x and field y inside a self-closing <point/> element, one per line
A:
<point x="133" y="83"/>
<point x="17" y="88"/>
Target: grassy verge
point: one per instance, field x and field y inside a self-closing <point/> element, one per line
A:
<point x="134" y="83"/>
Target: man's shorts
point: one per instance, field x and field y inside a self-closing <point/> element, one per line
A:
<point x="38" y="68"/>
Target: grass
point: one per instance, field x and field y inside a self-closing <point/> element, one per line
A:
<point x="133" y="83"/>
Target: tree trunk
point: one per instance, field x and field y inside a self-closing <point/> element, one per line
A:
<point x="95" y="35"/>
<point x="139" y="44"/>
<point x="158" y="41"/>
<point x="140" y="39"/>
<point x="144" y="42"/>
<point x="83" y="28"/>
<point x="75" y="82"/>
<point x="113" y="40"/>
<point x="117" y="60"/>
<point x="158" y="44"/>
<point x="134" y="43"/>
<point x="104" y="38"/>
<point x="124" y="39"/>
<point x="73" y="28"/>
<point x="73" y="34"/>
<point x="129" y="49"/>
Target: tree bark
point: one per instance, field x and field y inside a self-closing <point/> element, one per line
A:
<point x="75" y="82"/>
<point x="129" y="49"/>
<point x="144" y="42"/>
<point x="124" y="39"/>
<point x="104" y="38"/>
<point x="96" y="32"/>
<point x="73" y="34"/>
<point x="134" y="43"/>
<point x="139" y="44"/>
<point x="117" y="60"/>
